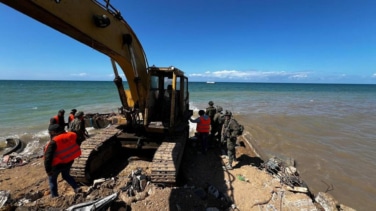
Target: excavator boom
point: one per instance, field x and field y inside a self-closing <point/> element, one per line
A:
<point x="159" y="94"/>
<point x="98" y="26"/>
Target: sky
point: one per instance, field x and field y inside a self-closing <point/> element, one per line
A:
<point x="277" y="41"/>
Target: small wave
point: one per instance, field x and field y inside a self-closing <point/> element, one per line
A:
<point x="193" y="107"/>
<point x="40" y="134"/>
<point x="192" y="128"/>
<point x="34" y="108"/>
<point x="34" y="148"/>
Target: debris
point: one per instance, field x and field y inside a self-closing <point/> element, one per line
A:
<point x="137" y="183"/>
<point x="216" y="193"/>
<point x="242" y="178"/>
<point x="298" y="189"/>
<point x="4" y="195"/>
<point x="99" y="204"/>
<point x="98" y="182"/>
<point x="287" y="174"/>
<point x="213" y="191"/>
<point x="12" y="160"/>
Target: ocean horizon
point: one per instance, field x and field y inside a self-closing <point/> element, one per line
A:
<point x="206" y="81"/>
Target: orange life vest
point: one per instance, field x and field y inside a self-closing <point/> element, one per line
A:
<point x="70" y="118"/>
<point x="204" y="125"/>
<point x="66" y="148"/>
<point x="56" y="119"/>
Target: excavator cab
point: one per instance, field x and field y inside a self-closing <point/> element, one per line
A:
<point x="167" y="105"/>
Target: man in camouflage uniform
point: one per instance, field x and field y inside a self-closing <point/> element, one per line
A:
<point x="210" y="111"/>
<point x="229" y="136"/>
<point x="78" y="126"/>
<point x="217" y="124"/>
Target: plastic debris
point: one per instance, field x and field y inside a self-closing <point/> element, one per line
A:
<point x="4" y="195"/>
<point x="99" y="204"/>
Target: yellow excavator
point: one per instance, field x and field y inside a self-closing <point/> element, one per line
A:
<point x="154" y="109"/>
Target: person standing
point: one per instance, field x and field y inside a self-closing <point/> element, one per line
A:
<point x="59" y="154"/>
<point x="71" y="116"/>
<point x="217" y="124"/>
<point x="230" y="130"/>
<point x="78" y="126"/>
<point x="210" y="111"/>
<point x="203" y="129"/>
<point x="59" y="119"/>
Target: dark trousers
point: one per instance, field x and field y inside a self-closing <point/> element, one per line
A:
<point x="52" y="179"/>
<point x="203" y="137"/>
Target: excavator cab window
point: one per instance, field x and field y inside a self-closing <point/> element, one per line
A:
<point x="154" y="82"/>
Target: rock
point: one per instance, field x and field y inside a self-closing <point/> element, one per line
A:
<point x="298" y="189"/>
<point x="32" y="196"/>
<point x="141" y="196"/>
<point x="128" y="200"/>
<point x="291" y="170"/>
<point x="200" y="193"/>
<point x="326" y="201"/>
<point x="213" y="191"/>
<point x="345" y="208"/>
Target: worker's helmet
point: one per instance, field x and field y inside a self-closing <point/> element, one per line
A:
<point x="219" y="108"/>
<point x="211" y="103"/>
<point x="228" y="113"/>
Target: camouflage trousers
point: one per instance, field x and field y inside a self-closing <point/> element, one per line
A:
<point x="231" y="142"/>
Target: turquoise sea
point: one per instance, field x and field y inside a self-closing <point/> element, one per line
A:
<point x="329" y="129"/>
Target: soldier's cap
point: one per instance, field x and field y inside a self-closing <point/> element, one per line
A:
<point x="219" y="108"/>
<point x="211" y="103"/>
<point x="228" y="113"/>
<point x="79" y="114"/>
<point x="54" y="127"/>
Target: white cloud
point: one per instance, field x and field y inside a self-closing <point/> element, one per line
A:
<point x="112" y="75"/>
<point x="299" y="76"/>
<point x="374" y="75"/>
<point x="251" y="75"/>
<point x="79" y="74"/>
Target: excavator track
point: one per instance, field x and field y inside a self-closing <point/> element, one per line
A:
<point x="96" y="151"/>
<point x="166" y="161"/>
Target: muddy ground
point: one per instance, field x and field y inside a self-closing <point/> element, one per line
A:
<point x="203" y="185"/>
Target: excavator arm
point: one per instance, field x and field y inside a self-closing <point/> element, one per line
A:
<point x="160" y="94"/>
<point x="101" y="27"/>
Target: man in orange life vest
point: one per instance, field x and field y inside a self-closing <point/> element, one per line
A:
<point x="203" y="129"/>
<point x="59" y="119"/>
<point x="59" y="154"/>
